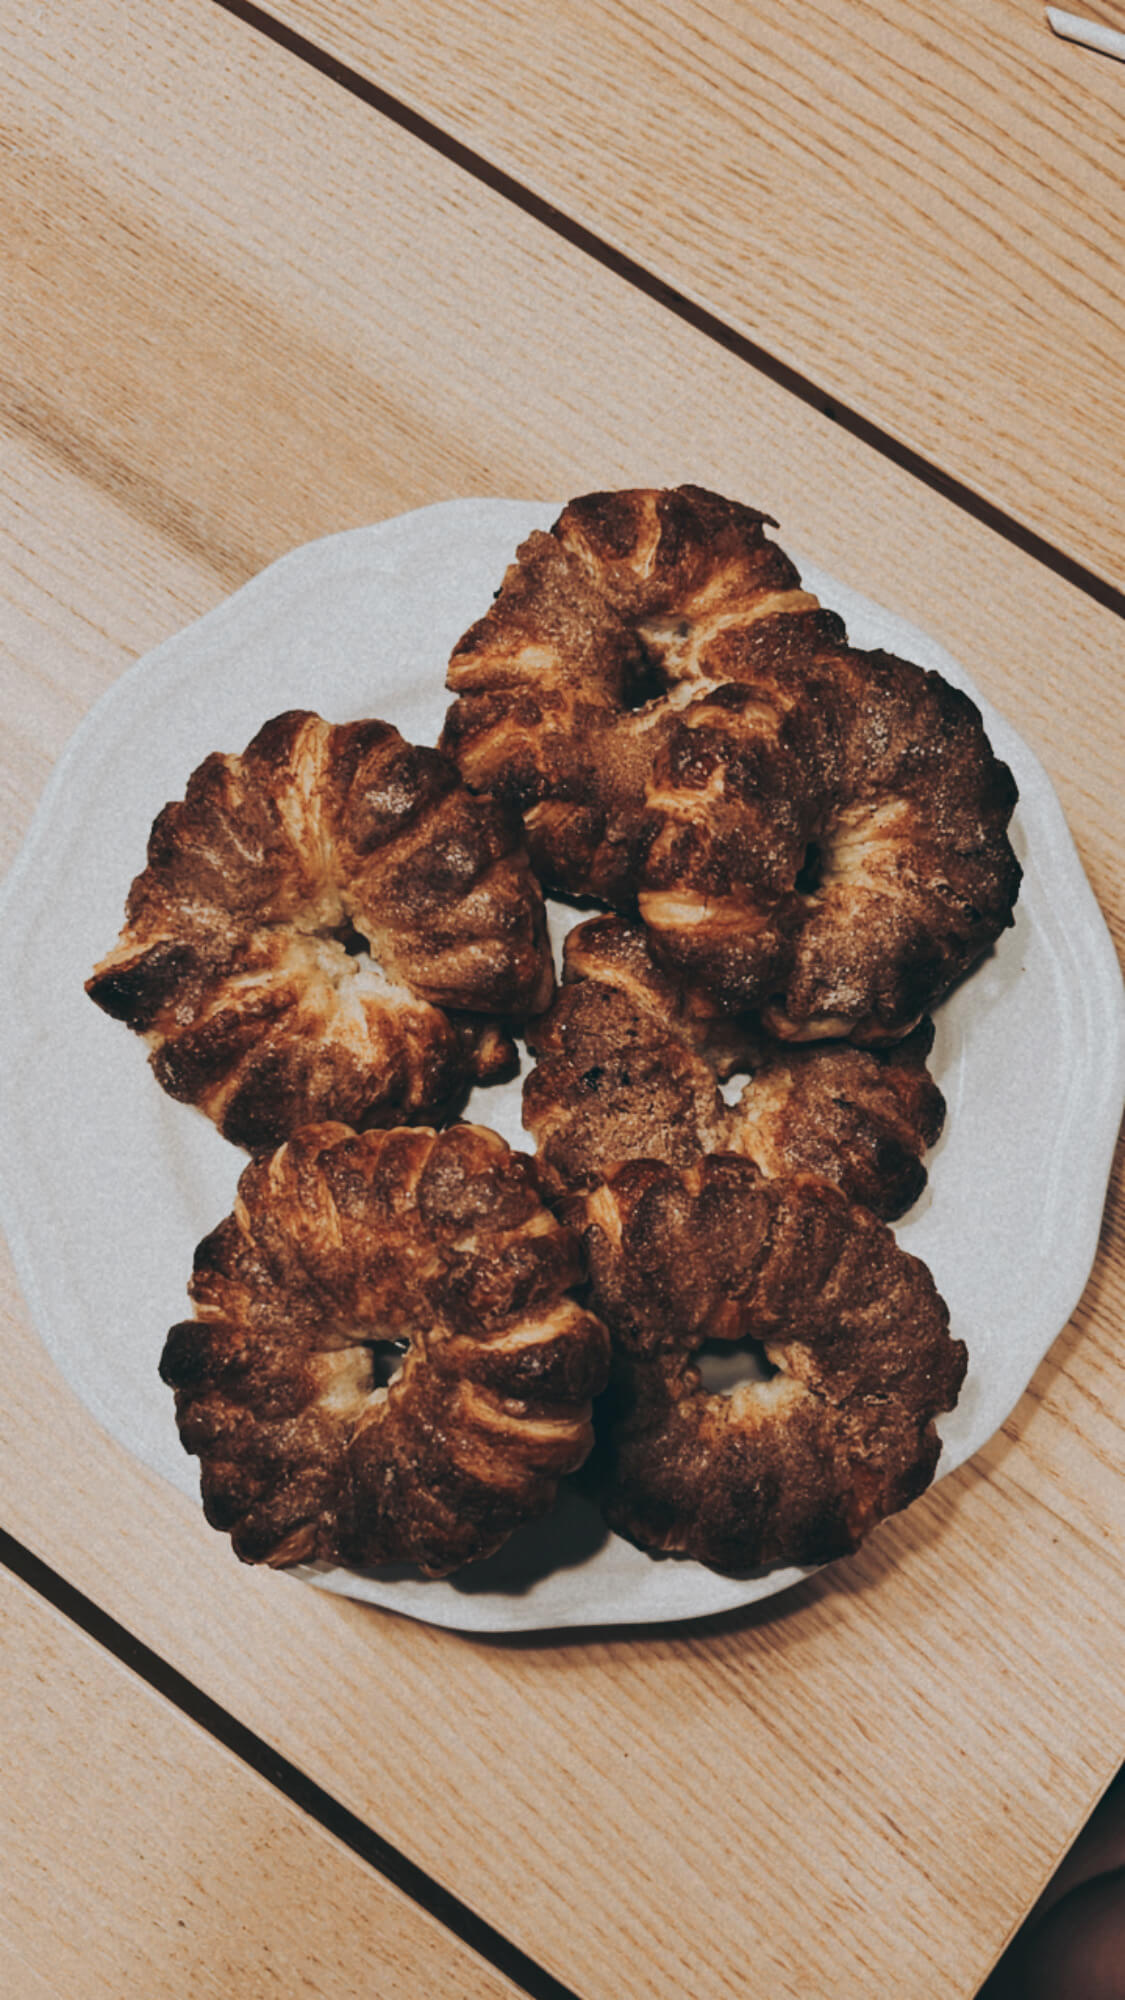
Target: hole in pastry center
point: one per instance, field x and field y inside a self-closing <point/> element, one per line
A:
<point x="725" y="1364"/>
<point x="645" y="681"/>
<point x="360" y="968"/>
<point x="387" y="1357"/>
<point x="811" y="872"/>
<point x="731" y="1087"/>
<point x="353" y="941"/>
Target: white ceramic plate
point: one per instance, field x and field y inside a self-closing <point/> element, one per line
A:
<point x="106" y="1185"/>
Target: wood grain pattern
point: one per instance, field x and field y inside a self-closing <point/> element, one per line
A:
<point x="861" y="1787"/>
<point x="166" y="1866"/>
<point x="916" y="205"/>
<point x="308" y="395"/>
<point x="17" y="1976"/>
<point x="86" y="586"/>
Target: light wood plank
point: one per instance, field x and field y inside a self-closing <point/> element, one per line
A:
<point x="17" y="1976"/>
<point x="895" y="1753"/>
<point x="141" y="1857"/>
<point x="85" y="586"/>
<point x="307" y="392"/>
<point x="918" y="204"/>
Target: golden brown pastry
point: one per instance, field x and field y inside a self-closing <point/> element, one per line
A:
<point x="628" y="1057"/>
<point x="342" y="1246"/>
<point x="808" y="830"/>
<point x="329" y="925"/>
<point x="795" y="1468"/>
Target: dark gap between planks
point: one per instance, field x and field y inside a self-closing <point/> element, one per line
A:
<point x="696" y="316"/>
<point x="311" y="1798"/>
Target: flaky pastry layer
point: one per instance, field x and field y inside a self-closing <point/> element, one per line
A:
<point x="797" y="1467"/>
<point x="319" y="1439"/>
<point x="329" y="926"/>
<point x="629" y="1057"/>
<point x="805" y="829"/>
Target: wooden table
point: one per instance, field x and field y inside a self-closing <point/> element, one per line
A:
<point x="270" y="274"/>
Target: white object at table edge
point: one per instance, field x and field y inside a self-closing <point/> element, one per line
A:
<point x="1091" y="34"/>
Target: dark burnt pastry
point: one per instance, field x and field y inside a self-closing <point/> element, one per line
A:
<point x="795" y="1468"/>
<point x="628" y="1057"/>
<point x="339" y="1245"/>
<point x="329" y="926"/>
<point x="808" y="830"/>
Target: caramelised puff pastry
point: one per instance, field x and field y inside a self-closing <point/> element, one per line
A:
<point x="858" y="1361"/>
<point x="329" y="926"/>
<point x="807" y="830"/>
<point x="629" y="1063"/>
<point x="387" y="1362"/>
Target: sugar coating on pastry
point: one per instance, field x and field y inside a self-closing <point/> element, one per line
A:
<point x="629" y="1058"/>
<point x="797" y="1467"/>
<point x="329" y="926"/>
<point x="340" y="1246"/>
<point x="805" y="829"/>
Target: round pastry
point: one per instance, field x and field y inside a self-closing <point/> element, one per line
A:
<point x="329" y="926"/>
<point x="628" y="1057"/>
<point x="808" y="830"/>
<point x="797" y="1467"/>
<point x="341" y="1250"/>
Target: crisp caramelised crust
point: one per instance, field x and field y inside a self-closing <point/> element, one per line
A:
<point x="338" y="1244"/>
<point x="628" y="1060"/>
<point x="806" y="829"/>
<point x="795" y="1468"/>
<point x="329" y="926"/>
